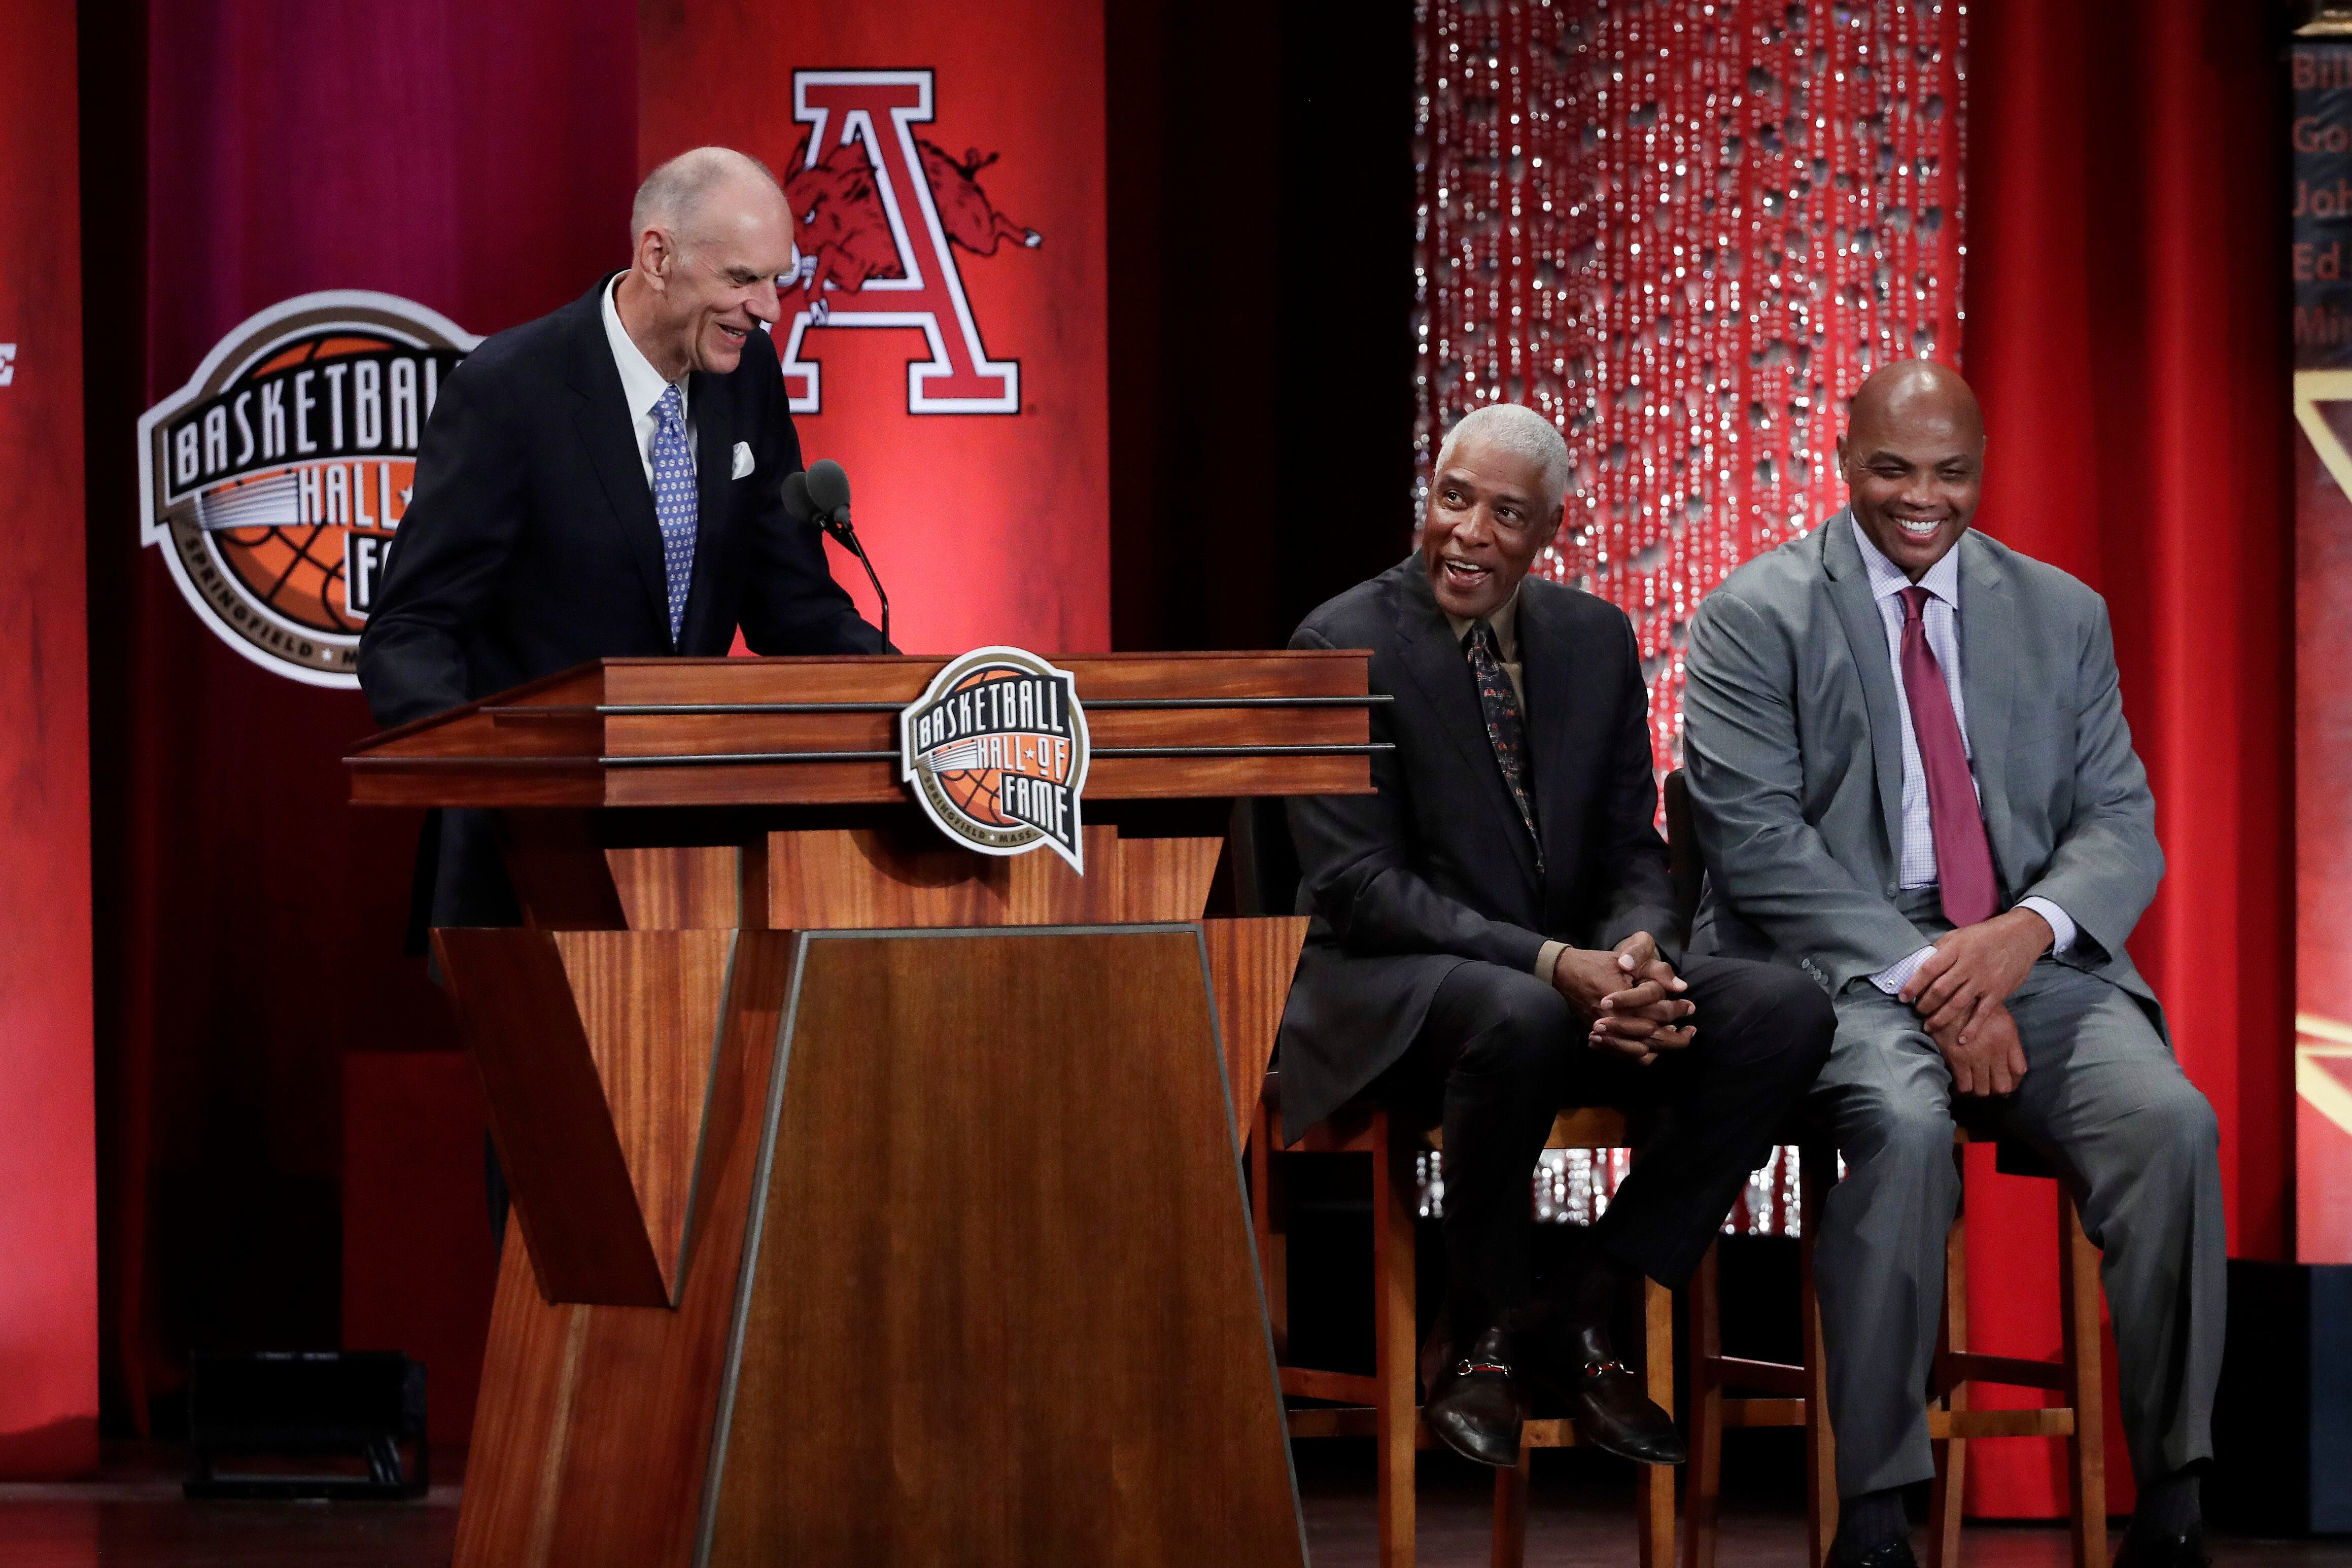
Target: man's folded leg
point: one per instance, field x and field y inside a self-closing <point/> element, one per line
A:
<point x="2105" y="1101"/>
<point x="1762" y="1035"/>
<point x="1493" y="1058"/>
<point x="1501" y="1051"/>
<point x="1879" y="1258"/>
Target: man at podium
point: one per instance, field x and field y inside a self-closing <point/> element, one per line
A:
<point x="1493" y="936"/>
<point x="607" y="481"/>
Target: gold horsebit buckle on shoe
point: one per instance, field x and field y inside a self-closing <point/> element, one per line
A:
<point x="1596" y="1368"/>
<point x="1465" y="1367"/>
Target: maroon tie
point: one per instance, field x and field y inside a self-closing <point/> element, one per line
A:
<point x="1963" y="859"/>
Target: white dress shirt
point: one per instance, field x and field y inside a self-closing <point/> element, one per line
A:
<point x="1941" y="619"/>
<point x="642" y="385"/>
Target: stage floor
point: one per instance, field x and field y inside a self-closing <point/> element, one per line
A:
<point x="1578" y="1515"/>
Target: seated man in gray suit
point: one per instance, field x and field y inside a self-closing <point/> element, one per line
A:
<point x="1907" y="748"/>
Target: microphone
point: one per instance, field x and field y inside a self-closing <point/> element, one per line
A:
<point x="821" y="496"/>
<point x="828" y="489"/>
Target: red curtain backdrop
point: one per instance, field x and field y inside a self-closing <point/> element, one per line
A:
<point x="49" y="1193"/>
<point x="2127" y="330"/>
<point x="986" y="527"/>
<point x="478" y="160"/>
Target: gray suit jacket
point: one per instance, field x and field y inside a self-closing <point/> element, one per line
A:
<point x="1793" y="750"/>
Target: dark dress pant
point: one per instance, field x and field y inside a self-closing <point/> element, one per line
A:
<point x="1501" y="1053"/>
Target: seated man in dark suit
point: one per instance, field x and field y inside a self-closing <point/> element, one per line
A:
<point x="608" y="482"/>
<point x="1493" y="938"/>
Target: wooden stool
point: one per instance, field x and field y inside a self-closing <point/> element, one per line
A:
<point x="1798" y="1395"/>
<point x="1385" y="1405"/>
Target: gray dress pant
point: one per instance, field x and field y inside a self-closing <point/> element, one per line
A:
<point x="2104" y="1102"/>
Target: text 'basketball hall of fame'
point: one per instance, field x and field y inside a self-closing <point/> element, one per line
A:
<point x="878" y="215"/>
<point x="996" y="749"/>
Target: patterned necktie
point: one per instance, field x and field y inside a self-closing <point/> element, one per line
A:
<point x="1963" y="858"/>
<point x="1500" y="704"/>
<point x="674" y="503"/>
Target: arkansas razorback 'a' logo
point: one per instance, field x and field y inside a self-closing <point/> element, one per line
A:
<point x="874" y="212"/>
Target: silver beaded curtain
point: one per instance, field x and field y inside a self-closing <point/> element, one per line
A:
<point x="1684" y="232"/>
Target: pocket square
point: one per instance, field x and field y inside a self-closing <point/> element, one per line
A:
<point x="742" y="460"/>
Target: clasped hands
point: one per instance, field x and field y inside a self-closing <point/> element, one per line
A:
<point x="1961" y="991"/>
<point x="1633" y="996"/>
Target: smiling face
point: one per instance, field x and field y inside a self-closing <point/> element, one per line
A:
<point x="1487" y="517"/>
<point x="1912" y="461"/>
<point x="699" y="291"/>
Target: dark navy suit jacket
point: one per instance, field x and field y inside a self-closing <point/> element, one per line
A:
<point x="530" y="546"/>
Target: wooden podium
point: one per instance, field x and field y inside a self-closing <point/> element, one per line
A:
<point x="878" y="1201"/>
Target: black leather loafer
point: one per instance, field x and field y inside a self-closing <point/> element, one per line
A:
<point x="1896" y="1554"/>
<point x="2164" y="1549"/>
<point x="1606" y="1401"/>
<point x="1475" y="1407"/>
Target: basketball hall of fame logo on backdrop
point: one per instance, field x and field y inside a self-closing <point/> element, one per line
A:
<point x="996" y="751"/>
<point x="276" y="479"/>
<point x="877" y="215"/>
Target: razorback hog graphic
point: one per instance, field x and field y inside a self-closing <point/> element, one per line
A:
<point x="843" y="228"/>
<point x="880" y="216"/>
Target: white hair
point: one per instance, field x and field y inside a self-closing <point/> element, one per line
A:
<point x="672" y="193"/>
<point x="1519" y="430"/>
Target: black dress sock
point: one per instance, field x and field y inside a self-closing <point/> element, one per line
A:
<point x="2171" y="1505"/>
<point x="1590" y="1293"/>
<point x="1872" y="1520"/>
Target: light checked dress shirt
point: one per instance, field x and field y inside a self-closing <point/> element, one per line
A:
<point x="1940" y="621"/>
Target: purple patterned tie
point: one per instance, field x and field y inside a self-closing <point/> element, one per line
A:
<point x="1963" y="859"/>
<point x="674" y="503"/>
<point x="1500" y="704"/>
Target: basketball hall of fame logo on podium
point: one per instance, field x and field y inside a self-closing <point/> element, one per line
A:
<point x="275" y="480"/>
<point x="996" y="751"/>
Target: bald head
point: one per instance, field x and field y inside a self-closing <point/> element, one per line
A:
<point x="1916" y="390"/>
<point x="1912" y="461"/>
<point x="675" y="195"/>
<point x="711" y="234"/>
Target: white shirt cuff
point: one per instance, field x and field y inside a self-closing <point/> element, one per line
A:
<point x="1892" y="979"/>
<point x="2062" y="925"/>
<point x="1547" y="956"/>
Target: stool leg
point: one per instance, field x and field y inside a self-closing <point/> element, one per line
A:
<point x="1819" y="1166"/>
<point x="1949" y="1493"/>
<point x="1393" y="1340"/>
<point x="1510" y="1545"/>
<point x="1270" y="1227"/>
<point x="1703" y="1494"/>
<point x="1654" y="1484"/>
<point x="2086" y="1450"/>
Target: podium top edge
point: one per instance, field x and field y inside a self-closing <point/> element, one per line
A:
<point x="584" y="685"/>
<point x="937" y="661"/>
